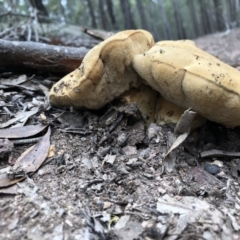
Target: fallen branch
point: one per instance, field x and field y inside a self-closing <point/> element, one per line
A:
<point x="42" y="57"/>
<point x="99" y="35"/>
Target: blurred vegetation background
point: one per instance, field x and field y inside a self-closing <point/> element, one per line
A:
<point x="165" y="19"/>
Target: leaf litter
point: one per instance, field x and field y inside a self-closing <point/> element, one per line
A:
<point x="22" y="132"/>
<point x="28" y="162"/>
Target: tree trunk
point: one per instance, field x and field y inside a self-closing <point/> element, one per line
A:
<point x="104" y="20"/>
<point x="111" y="14"/>
<point x="195" y="24"/>
<point x="91" y="11"/>
<point x="232" y="13"/>
<point x="151" y="8"/>
<point x="39" y="6"/>
<point x="204" y="17"/>
<point x="166" y="26"/>
<point x="219" y="16"/>
<point x="181" y="33"/>
<point x="142" y="13"/>
<point x="127" y="15"/>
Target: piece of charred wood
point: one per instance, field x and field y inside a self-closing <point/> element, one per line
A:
<point x="41" y="57"/>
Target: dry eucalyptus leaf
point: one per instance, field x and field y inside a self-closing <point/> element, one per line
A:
<point x="182" y="130"/>
<point x="30" y="85"/>
<point x="185" y="122"/>
<point x="21" y="132"/>
<point x="179" y="140"/>
<point x="20" y="117"/>
<point x="13" y="81"/>
<point x="5" y="181"/>
<point x="33" y="158"/>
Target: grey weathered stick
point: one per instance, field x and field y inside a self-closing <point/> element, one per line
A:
<point x="15" y="55"/>
<point x="218" y="153"/>
<point x="100" y="35"/>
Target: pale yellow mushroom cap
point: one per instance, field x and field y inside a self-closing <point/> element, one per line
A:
<point x="105" y="73"/>
<point x="192" y="78"/>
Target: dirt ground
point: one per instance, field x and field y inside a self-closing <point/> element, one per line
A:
<point x="106" y="181"/>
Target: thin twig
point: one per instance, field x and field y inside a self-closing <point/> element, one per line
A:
<point x="8" y="111"/>
<point x="95" y="181"/>
<point x="24" y="141"/>
<point x="10" y="13"/>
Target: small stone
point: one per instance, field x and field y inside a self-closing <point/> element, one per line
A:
<point x="107" y="205"/>
<point x="211" y="168"/>
<point x="129" y="150"/>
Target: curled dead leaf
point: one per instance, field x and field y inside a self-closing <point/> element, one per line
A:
<point x="33" y="157"/>
<point x="21" y="132"/>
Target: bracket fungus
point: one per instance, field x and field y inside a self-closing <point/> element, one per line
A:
<point x="105" y="73"/>
<point x="184" y="75"/>
<point x="191" y="78"/>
